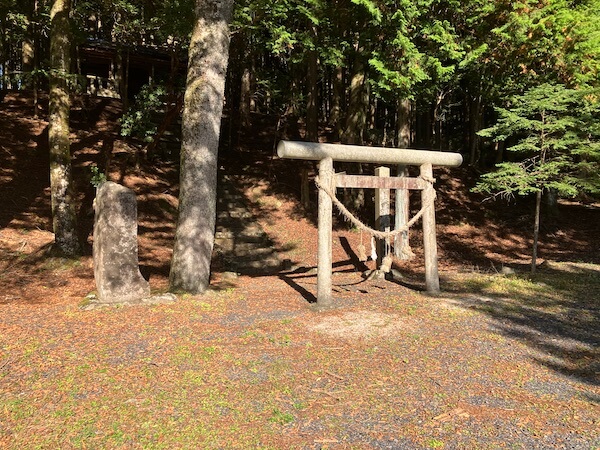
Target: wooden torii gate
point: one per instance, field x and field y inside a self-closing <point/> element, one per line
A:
<point x="329" y="180"/>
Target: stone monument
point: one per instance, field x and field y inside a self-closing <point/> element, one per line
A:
<point x="116" y="265"/>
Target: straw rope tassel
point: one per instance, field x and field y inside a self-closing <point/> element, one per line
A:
<point x="373" y="249"/>
<point x="362" y="252"/>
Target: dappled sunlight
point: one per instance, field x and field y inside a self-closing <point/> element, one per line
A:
<point x="555" y="314"/>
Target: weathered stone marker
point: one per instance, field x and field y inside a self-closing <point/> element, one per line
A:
<point x="116" y="266"/>
<point x="328" y="181"/>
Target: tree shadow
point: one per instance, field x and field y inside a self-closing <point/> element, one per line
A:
<point x="25" y="174"/>
<point x="353" y="263"/>
<point x="557" y="318"/>
<point x="291" y="281"/>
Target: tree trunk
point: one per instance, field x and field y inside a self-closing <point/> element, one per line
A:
<point x="475" y="121"/>
<point x="373" y="113"/>
<point x="550" y="204"/>
<point x="292" y="108"/>
<point x="61" y="184"/>
<point x="27" y="49"/>
<point x="335" y="117"/>
<point x="403" y="123"/>
<point x="245" y="98"/>
<point x="120" y="76"/>
<point x="312" y="106"/>
<point x="203" y="108"/>
<point x="35" y="79"/>
<point x="402" y="242"/>
<point x="499" y="151"/>
<point x="536" y="231"/>
<point x="356" y="120"/>
<point x="424" y="125"/>
<point x="35" y="65"/>
<point x="357" y="108"/>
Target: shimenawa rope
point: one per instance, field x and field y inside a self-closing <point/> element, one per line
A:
<point x="330" y="191"/>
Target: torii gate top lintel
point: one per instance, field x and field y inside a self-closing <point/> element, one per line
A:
<point x="354" y="153"/>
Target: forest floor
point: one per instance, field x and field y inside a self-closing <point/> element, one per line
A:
<point x="495" y="361"/>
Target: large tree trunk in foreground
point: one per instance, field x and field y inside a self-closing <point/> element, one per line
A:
<point x="203" y="107"/>
<point x="63" y="210"/>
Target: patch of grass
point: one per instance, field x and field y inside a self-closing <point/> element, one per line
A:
<point x="31" y="348"/>
<point x="207" y="353"/>
<point x="516" y="287"/>
<point x="86" y="301"/>
<point x="182" y="354"/>
<point x="435" y="443"/>
<point x="17" y="409"/>
<point x="85" y="431"/>
<point x="117" y="436"/>
<point x="299" y="405"/>
<point x="284" y="340"/>
<point x="278" y="367"/>
<point x="62" y="264"/>
<point x="563" y="281"/>
<point x="65" y="412"/>
<point x="281" y="418"/>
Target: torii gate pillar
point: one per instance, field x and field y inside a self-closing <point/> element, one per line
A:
<point x="325" y="223"/>
<point x="432" y="279"/>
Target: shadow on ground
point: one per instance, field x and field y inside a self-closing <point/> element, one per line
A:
<point x="556" y="314"/>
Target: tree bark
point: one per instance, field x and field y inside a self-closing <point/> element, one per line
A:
<point x="536" y="231"/>
<point x="475" y="112"/>
<point x="357" y="108"/>
<point x="61" y="184"/>
<point x="27" y="49"/>
<point x="201" y="123"/>
<point x="120" y="76"/>
<point x="35" y="78"/>
<point x="403" y="123"/>
<point x="245" y="98"/>
<point x="424" y="125"/>
<point x="335" y="116"/>
<point x="356" y="121"/>
<point x="312" y="108"/>
<point x="402" y="242"/>
<point x="499" y="150"/>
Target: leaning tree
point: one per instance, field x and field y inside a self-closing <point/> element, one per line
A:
<point x="201" y="123"/>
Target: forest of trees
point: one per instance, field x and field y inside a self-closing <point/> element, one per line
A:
<point x="512" y="85"/>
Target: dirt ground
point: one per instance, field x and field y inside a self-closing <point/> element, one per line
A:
<point x="492" y="362"/>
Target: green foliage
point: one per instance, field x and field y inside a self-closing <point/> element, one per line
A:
<point x="140" y="120"/>
<point x="97" y="177"/>
<point x="556" y="137"/>
<point x="135" y="22"/>
<point x="372" y="8"/>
